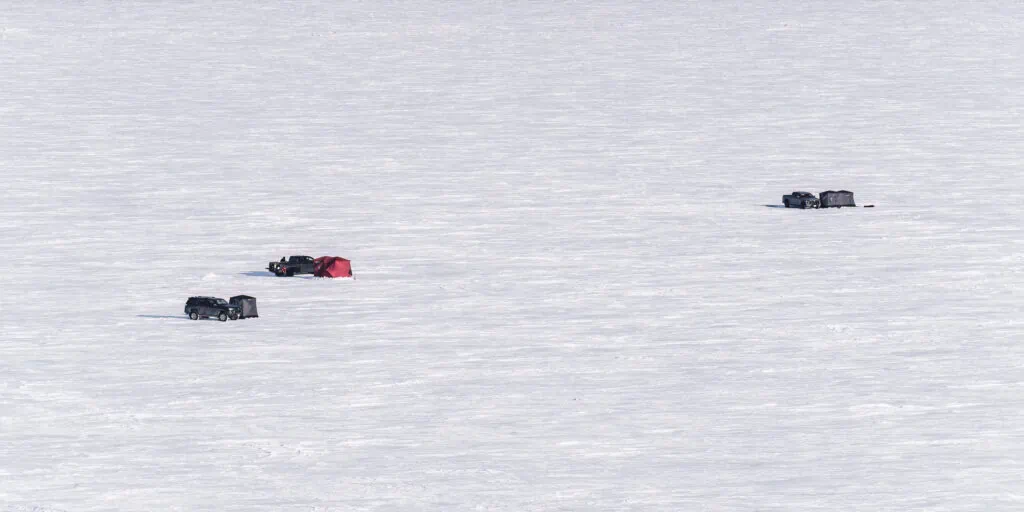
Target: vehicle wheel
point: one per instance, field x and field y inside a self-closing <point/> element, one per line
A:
<point x="223" y="317"/>
<point x="193" y="315"/>
<point x="233" y="316"/>
<point x="786" y="202"/>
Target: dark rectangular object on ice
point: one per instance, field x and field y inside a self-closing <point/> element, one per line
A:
<point x="246" y="306"/>
<point x="836" y="199"/>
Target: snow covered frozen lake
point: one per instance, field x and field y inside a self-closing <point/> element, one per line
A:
<point x="575" y="287"/>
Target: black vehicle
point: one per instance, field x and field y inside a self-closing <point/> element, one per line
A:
<point x="294" y="265"/>
<point x="801" y="200"/>
<point x="207" y="307"/>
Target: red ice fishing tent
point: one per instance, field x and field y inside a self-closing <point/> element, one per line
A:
<point x="332" y="266"/>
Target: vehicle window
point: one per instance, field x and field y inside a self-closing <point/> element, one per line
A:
<point x="222" y="302"/>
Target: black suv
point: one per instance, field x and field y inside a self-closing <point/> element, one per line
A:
<point x="206" y="307"/>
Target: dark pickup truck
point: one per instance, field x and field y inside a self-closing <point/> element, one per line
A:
<point x="294" y="265"/>
<point x="801" y="200"/>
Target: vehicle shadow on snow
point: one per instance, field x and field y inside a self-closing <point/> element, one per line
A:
<point x="774" y="206"/>
<point x="271" y="274"/>
<point x="179" y="317"/>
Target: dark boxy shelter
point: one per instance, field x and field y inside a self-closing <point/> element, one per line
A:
<point x="246" y="306"/>
<point x="836" y="199"/>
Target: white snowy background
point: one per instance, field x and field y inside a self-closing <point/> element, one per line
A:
<point x="574" y="288"/>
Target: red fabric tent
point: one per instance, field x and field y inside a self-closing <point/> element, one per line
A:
<point x="332" y="266"/>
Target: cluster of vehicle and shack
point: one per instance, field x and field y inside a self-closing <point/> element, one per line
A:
<point x="324" y="266"/>
<point x="238" y="307"/>
<point x="826" y="199"/>
<point x="244" y="306"/>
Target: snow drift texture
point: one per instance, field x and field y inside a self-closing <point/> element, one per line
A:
<point x="571" y="292"/>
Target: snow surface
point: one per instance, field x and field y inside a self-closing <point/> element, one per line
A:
<point x="574" y="289"/>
